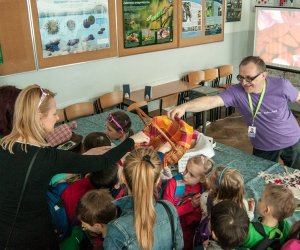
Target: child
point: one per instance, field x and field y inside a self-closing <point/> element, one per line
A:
<point x="118" y="126"/>
<point x="188" y="205"/>
<point x="95" y="210"/>
<point x="294" y="238"/>
<point x="224" y="184"/>
<point x="229" y="226"/>
<point x="102" y="179"/>
<point x="277" y="203"/>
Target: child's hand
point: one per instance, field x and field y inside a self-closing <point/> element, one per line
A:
<point x="251" y="204"/>
<point x="196" y="200"/>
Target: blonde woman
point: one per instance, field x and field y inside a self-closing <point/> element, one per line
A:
<point x="25" y="223"/>
<point x="143" y="223"/>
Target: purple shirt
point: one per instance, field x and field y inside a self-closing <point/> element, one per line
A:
<point x="276" y="126"/>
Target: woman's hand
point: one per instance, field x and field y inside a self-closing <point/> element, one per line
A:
<point x="98" y="150"/>
<point x="140" y="138"/>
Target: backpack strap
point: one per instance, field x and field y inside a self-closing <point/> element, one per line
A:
<point x="271" y="240"/>
<point x="171" y="219"/>
<point x="180" y="186"/>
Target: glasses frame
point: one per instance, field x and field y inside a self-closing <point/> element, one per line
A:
<point x="247" y="78"/>
<point x="110" y="118"/>
<point x="43" y="96"/>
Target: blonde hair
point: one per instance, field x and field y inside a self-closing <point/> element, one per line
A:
<point x="26" y="119"/>
<point x="141" y="171"/>
<point x="227" y="184"/>
<point x="281" y="199"/>
<point x="204" y="161"/>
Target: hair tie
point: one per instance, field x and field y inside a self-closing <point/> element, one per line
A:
<point x="147" y="158"/>
<point x="221" y="176"/>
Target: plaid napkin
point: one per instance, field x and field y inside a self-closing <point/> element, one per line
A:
<point x="60" y="134"/>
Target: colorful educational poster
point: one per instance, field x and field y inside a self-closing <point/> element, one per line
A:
<point x="147" y="22"/>
<point x="213" y="20"/>
<point x="73" y="26"/>
<point x="191" y="18"/>
<point x="233" y="10"/>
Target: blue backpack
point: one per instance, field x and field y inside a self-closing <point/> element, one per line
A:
<point x="179" y="191"/>
<point x="57" y="210"/>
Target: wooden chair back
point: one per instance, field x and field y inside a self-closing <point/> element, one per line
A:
<point x="110" y="100"/>
<point x="196" y="77"/>
<point x="136" y="105"/>
<point x="79" y="110"/>
<point x="61" y="115"/>
<point x="226" y="71"/>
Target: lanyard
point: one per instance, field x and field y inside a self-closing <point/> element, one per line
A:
<point x="258" y="104"/>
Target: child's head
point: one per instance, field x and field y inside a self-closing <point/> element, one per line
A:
<point x="229" y="224"/>
<point x="141" y="171"/>
<point x="277" y="201"/>
<point x="106" y="178"/>
<point x="95" y="209"/>
<point x="227" y="184"/>
<point x="95" y="139"/>
<point x="196" y="169"/>
<point x="118" y="126"/>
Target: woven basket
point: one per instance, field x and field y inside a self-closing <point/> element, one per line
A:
<point x="159" y="134"/>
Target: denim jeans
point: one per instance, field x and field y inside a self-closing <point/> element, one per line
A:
<point x="289" y="155"/>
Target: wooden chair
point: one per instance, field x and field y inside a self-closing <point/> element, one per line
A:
<point x="79" y="110"/>
<point x="225" y="72"/>
<point x="142" y="105"/>
<point x="224" y="81"/>
<point x="110" y="100"/>
<point x="196" y="77"/>
<point x="211" y="75"/>
<point x="61" y="115"/>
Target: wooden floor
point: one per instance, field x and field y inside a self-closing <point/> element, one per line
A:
<point x="232" y="131"/>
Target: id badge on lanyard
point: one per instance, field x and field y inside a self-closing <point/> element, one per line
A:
<point x="252" y="129"/>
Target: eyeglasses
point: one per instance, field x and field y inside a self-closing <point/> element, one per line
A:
<point x="110" y="118"/>
<point x="247" y="78"/>
<point x="43" y="96"/>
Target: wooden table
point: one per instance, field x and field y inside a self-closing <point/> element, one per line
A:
<point x="161" y="91"/>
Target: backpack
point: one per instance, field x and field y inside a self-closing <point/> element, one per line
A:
<point x="267" y="243"/>
<point x="179" y="191"/>
<point x="56" y="206"/>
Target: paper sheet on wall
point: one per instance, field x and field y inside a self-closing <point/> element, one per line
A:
<point x="204" y="145"/>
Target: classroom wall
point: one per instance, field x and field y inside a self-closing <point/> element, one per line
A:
<point x="85" y="81"/>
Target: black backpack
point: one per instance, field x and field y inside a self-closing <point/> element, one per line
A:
<point x="268" y="243"/>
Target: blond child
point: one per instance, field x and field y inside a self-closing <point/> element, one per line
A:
<point x="184" y="192"/>
<point x="277" y="203"/>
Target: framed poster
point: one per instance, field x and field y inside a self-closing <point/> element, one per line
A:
<point x="190" y="22"/>
<point x="214" y="20"/>
<point x="146" y="26"/>
<point x="233" y="10"/>
<point x="71" y="31"/>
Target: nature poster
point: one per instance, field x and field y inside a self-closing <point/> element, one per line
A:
<point x="147" y="22"/>
<point x="213" y="20"/>
<point x="233" y="10"/>
<point x="73" y="26"/>
<point x="191" y="18"/>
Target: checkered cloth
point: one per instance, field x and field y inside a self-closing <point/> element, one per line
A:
<point x="178" y="132"/>
<point x="60" y="135"/>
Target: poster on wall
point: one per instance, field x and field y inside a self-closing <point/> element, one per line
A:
<point x="191" y="18"/>
<point x="213" y="20"/>
<point x="73" y="26"/>
<point x="233" y="10"/>
<point x="147" y="22"/>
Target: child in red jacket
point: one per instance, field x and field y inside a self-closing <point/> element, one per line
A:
<point x="184" y="192"/>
